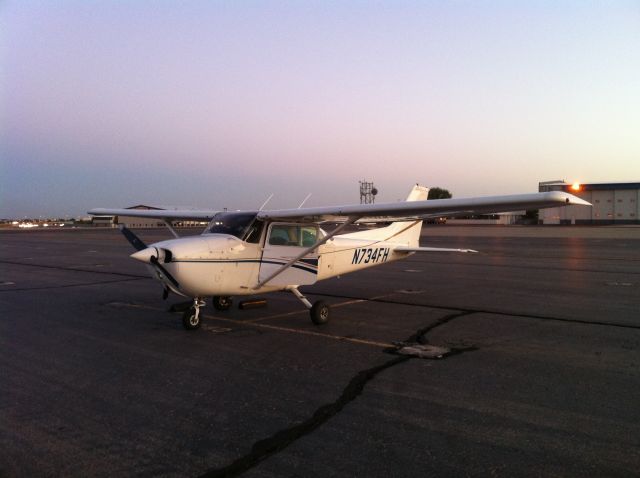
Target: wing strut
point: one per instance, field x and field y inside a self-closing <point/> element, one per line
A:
<point x="350" y="220"/>
<point x="170" y="226"/>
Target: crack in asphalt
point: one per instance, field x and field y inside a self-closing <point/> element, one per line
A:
<point x="265" y="448"/>
<point x="421" y="335"/>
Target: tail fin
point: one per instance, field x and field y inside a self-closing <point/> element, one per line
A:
<point x="408" y="232"/>
<point x="418" y="193"/>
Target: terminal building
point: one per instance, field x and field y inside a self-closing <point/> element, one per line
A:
<point x="613" y="203"/>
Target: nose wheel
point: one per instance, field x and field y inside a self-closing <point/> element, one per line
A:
<point x="191" y="318"/>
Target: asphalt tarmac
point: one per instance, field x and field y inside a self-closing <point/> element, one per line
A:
<point x="98" y="379"/>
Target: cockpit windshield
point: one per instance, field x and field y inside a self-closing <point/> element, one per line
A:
<point x="233" y="223"/>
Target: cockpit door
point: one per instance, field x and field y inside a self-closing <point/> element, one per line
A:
<point x="283" y="243"/>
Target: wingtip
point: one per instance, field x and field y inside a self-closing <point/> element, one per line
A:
<point x="568" y="199"/>
<point x="576" y="201"/>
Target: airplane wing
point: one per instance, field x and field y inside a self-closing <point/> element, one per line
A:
<point x="407" y="210"/>
<point x="162" y="214"/>
<point x="382" y="212"/>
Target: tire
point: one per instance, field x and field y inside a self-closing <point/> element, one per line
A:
<point x="222" y="302"/>
<point x="320" y="312"/>
<point x="190" y="320"/>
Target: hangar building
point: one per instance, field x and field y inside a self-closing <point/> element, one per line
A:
<point x="140" y="222"/>
<point x="613" y="203"/>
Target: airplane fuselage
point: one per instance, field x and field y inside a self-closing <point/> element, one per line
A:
<point x="250" y="252"/>
<point x="223" y="265"/>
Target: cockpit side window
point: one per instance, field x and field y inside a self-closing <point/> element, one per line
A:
<point x="293" y="235"/>
<point x="233" y="223"/>
<point x="309" y="236"/>
<point x="254" y="233"/>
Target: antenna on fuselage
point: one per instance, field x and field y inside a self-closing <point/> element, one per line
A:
<point x="265" y="203"/>
<point x="304" y="200"/>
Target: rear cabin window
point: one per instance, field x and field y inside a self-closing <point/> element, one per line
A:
<point x="291" y="235"/>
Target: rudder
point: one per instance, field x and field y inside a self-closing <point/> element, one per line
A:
<point x="408" y="232"/>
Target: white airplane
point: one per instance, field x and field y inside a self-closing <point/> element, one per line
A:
<point x="253" y="252"/>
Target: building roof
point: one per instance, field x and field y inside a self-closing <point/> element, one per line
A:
<point x="142" y="206"/>
<point x="592" y="186"/>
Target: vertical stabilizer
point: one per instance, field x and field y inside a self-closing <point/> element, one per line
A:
<point x="406" y="233"/>
<point x="418" y="193"/>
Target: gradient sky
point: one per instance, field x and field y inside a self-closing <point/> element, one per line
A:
<point x="219" y="104"/>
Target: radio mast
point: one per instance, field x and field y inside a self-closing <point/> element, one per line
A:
<point x="367" y="192"/>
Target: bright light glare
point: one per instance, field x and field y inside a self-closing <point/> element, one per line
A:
<point x="575" y="186"/>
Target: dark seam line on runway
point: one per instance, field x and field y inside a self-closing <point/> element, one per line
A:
<point x="74" y="269"/>
<point x="591" y="271"/>
<point x="263" y="449"/>
<point x="482" y="311"/>
<point x="518" y="256"/>
<point x="73" y="285"/>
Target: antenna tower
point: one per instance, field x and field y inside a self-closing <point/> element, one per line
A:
<point x="368" y="192"/>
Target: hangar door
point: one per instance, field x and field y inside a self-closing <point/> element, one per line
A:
<point x="602" y="205"/>
<point x="625" y="206"/>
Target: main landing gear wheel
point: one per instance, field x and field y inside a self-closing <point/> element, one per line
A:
<point x="191" y="317"/>
<point x="222" y="302"/>
<point x="320" y="312"/>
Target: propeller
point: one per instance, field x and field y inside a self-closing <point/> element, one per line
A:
<point x="154" y="260"/>
<point x="145" y="254"/>
<point x="135" y="241"/>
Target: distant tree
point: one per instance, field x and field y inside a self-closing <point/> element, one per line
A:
<point x="439" y="193"/>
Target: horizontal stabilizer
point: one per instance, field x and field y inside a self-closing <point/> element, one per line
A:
<point x="431" y="249"/>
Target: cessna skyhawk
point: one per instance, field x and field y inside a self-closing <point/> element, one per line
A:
<point x="253" y="252"/>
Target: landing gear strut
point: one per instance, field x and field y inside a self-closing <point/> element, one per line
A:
<point x="319" y="310"/>
<point x="191" y="317"/>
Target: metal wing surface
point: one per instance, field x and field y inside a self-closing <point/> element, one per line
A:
<point x="168" y="214"/>
<point x="398" y="211"/>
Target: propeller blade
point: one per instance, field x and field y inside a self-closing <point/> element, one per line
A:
<point x="135" y="241"/>
<point x="156" y="263"/>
